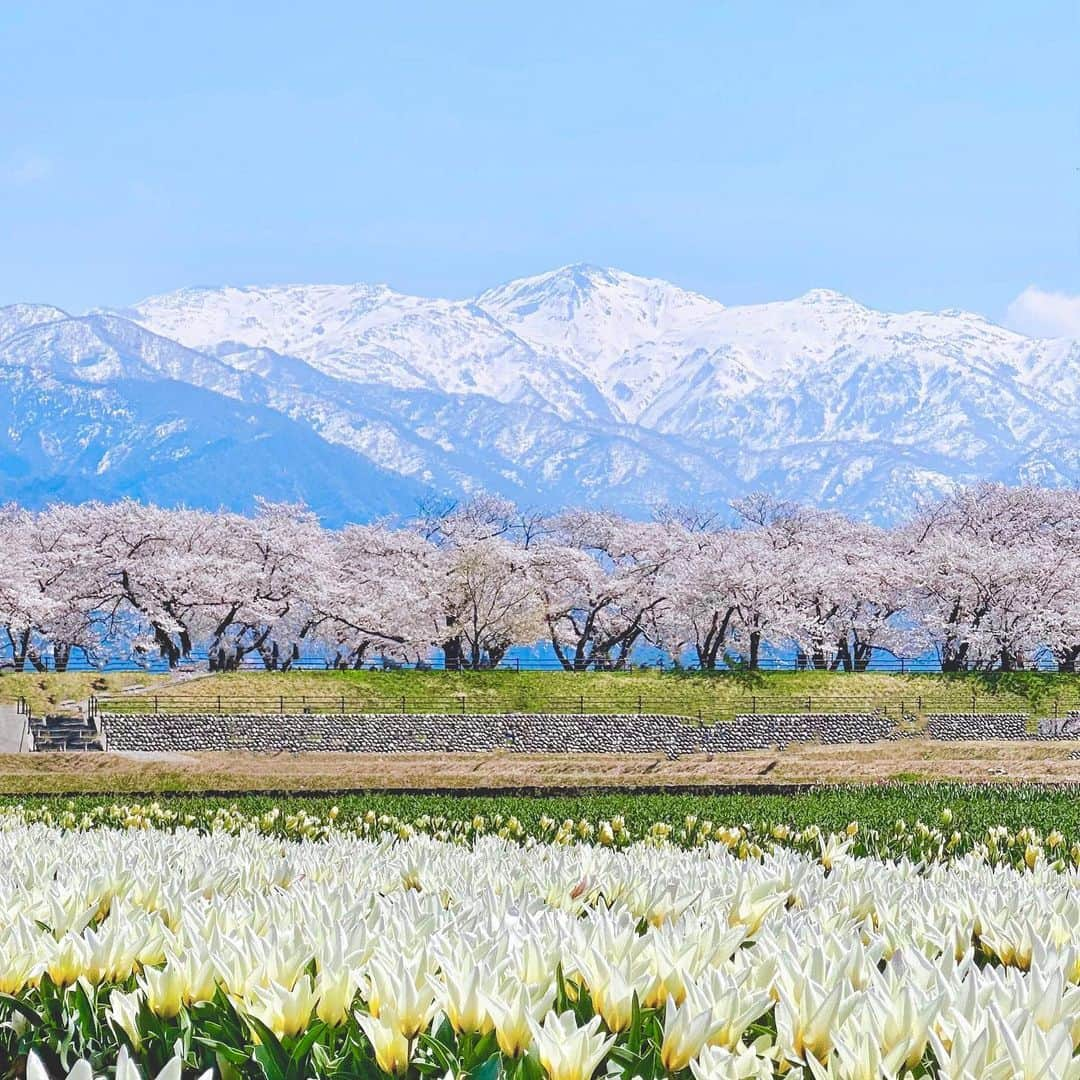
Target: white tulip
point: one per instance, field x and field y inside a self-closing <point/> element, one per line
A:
<point x="566" y="1051"/>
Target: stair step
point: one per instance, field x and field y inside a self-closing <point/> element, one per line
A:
<point x="57" y="734"/>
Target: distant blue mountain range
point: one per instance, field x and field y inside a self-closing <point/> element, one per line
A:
<point x="581" y="386"/>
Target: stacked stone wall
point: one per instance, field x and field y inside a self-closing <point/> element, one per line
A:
<point x="551" y="733"/>
<point x="1061" y="727"/>
<point x="546" y="733"/>
<point x="954" y="727"/>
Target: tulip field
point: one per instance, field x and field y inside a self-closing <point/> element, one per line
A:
<point x="511" y="938"/>
<point x="914" y="820"/>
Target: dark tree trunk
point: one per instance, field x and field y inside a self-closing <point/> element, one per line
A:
<point x="711" y="647"/>
<point x="170" y="651"/>
<point x="843" y="654"/>
<point x="454" y="654"/>
<point x="954" y="657"/>
<point x="20" y="648"/>
<point x="863" y="653"/>
<point x="1069" y="660"/>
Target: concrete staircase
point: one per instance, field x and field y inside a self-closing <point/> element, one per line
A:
<point x="64" y="733"/>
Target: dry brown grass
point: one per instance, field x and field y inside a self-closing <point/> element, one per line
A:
<point x="63" y="693"/>
<point x="909" y="759"/>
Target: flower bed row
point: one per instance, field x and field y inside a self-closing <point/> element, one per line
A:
<point x="242" y="951"/>
<point x="946" y="837"/>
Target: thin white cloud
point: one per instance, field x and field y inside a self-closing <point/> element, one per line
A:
<point x="1045" y="314"/>
<point x="25" y="169"/>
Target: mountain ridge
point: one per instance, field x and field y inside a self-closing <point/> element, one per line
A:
<point x="580" y="385"/>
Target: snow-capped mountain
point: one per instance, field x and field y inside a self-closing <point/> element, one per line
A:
<point x="580" y="385"/>
<point x="621" y="331"/>
<point x="97" y="407"/>
<point x="370" y="334"/>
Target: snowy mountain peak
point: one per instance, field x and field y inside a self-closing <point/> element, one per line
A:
<point x="18" y="317"/>
<point x="590" y="291"/>
<point x="567" y="289"/>
<point x="829" y="298"/>
<point x="600" y="321"/>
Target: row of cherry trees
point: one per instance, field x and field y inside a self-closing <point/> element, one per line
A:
<point x="989" y="578"/>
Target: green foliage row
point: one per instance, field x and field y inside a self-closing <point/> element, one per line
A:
<point x="1008" y="825"/>
<point x="829" y="807"/>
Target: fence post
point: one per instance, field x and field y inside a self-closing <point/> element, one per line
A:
<point x="581" y="706"/>
<point x="753" y="706"/>
<point x="901" y="665"/>
<point x="342" y="704"/>
<point x="639" y="705"/>
<point x="402" y="704"/>
<point x="156" y="709"/>
<point x="973" y="705"/>
<point x="219" y="704"/>
<point x="809" y="705"/>
<point x="462" y="704"/>
<point x="281" y="704"/>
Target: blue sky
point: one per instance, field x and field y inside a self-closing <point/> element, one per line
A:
<point x="912" y="155"/>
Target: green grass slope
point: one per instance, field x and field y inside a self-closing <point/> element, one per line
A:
<point x="715" y="697"/>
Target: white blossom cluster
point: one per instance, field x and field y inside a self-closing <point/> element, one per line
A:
<point x="580" y="960"/>
<point x="989" y="578"/>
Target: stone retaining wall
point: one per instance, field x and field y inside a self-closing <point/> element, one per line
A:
<point x="761" y="731"/>
<point x="1061" y="727"/>
<point x="548" y="733"/>
<point x="447" y="733"/>
<point x="953" y="727"/>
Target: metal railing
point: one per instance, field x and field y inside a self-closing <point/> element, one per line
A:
<point x="879" y="664"/>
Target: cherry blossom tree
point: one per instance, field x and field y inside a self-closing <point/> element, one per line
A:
<point x="380" y="592"/>
<point x="262" y="593"/>
<point x="160" y="568"/>
<point x="49" y="588"/>
<point x="490" y="599"/>
<point x="489" y="594"/>
<point x="989" y="577"/>
<point x="699" y="609"/>
<point x="994" y="575"/>
<point x="599" y="576"/>
<point x="845" y="586"/>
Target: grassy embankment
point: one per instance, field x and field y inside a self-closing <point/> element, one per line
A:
<point x="50" y="692"/>
<point x="713" y="697"/>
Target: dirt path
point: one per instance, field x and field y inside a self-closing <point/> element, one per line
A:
<point x="909" y="759"/>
